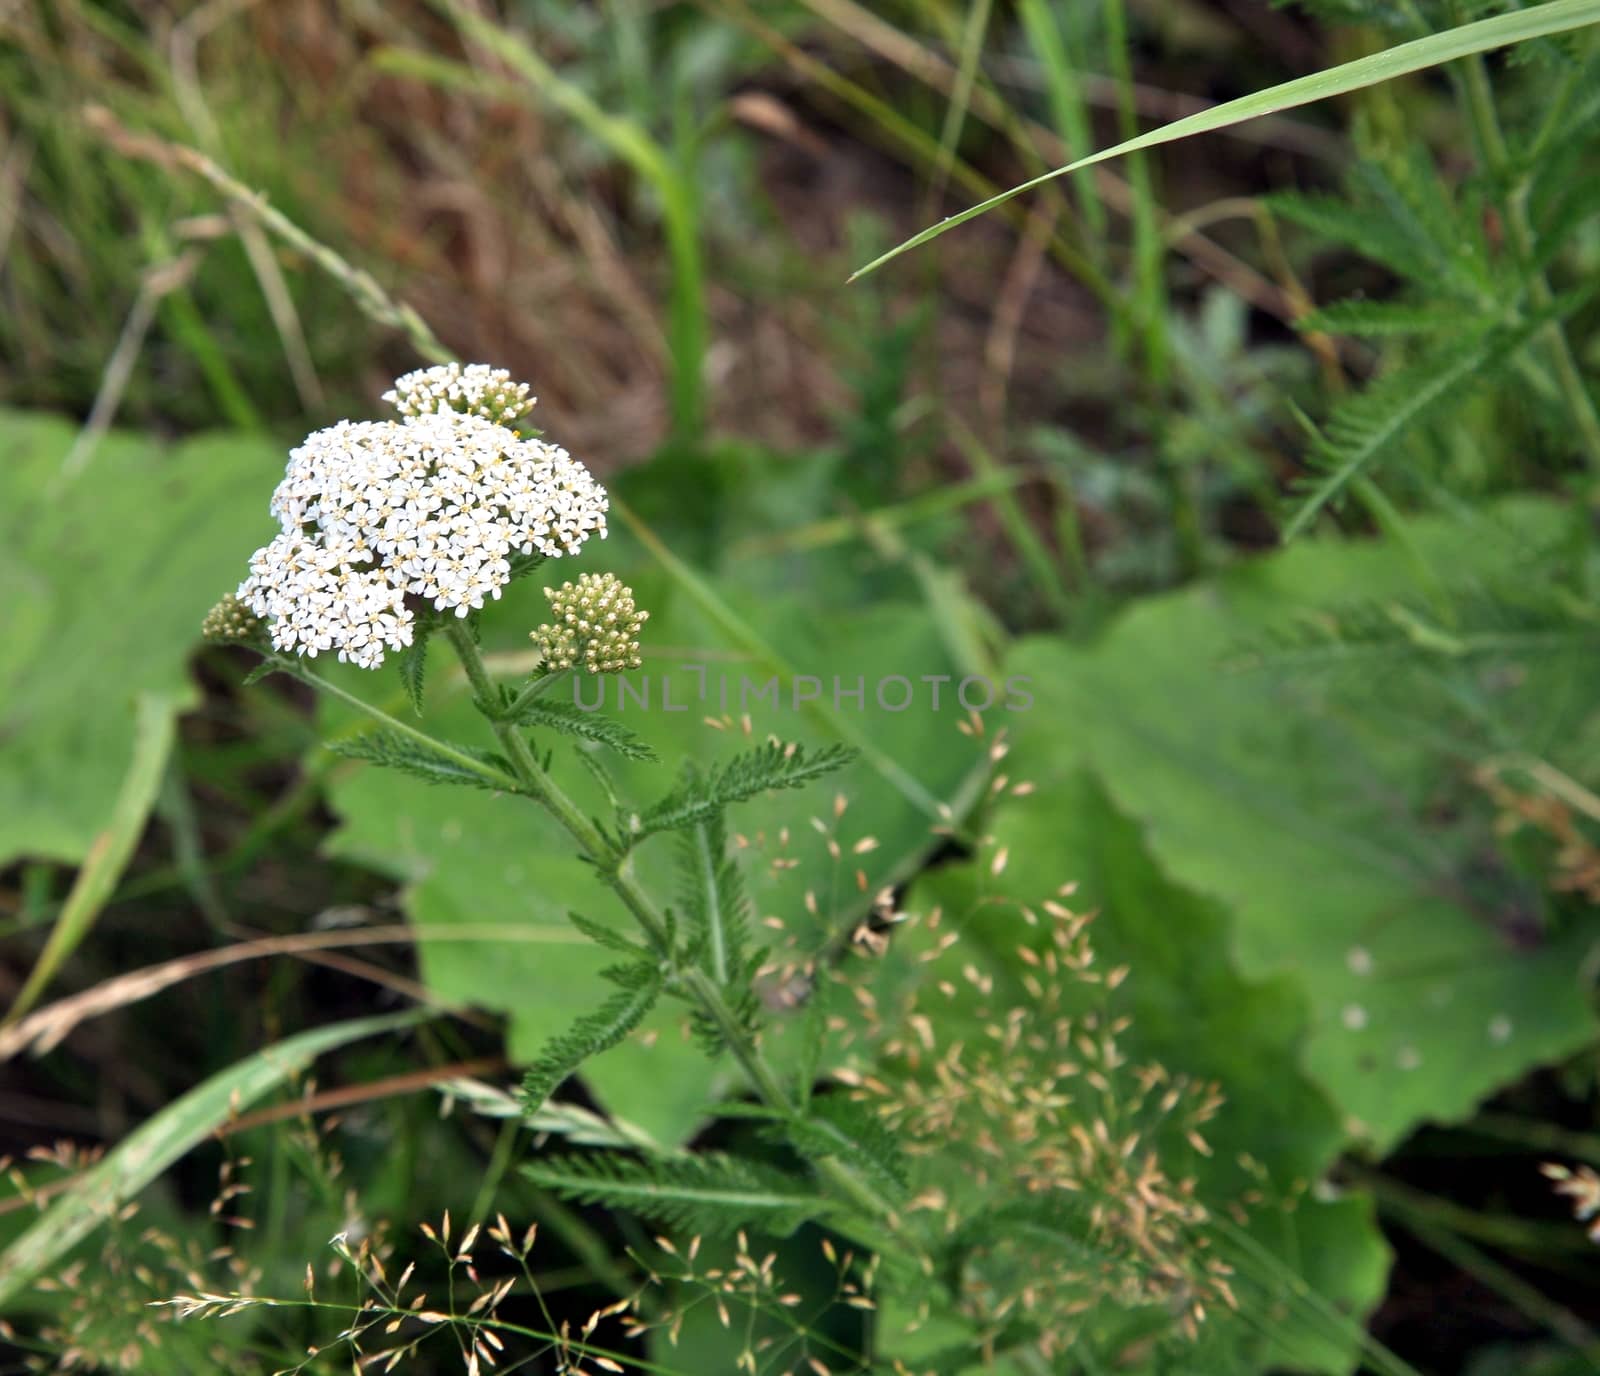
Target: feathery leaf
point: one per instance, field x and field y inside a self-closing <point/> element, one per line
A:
<point x="769" y="767"/>
<point x="395" y="751"/>
<point x="709" y="1193"/>
<point x="1380" y="319"/>
<point x="414" y="659"/>
<point x="838" y="1126"/>
<point x="572" y="720"/>
<point x="1364" y="426"/>
<point x="590" y="1035"/>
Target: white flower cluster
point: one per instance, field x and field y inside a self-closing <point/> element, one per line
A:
<point x="476" y="390"/>
<point x="435" y="506"/>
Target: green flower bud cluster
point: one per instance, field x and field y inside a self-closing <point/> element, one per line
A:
<point x="596" y="626"/>
<point x="230" y="622"/>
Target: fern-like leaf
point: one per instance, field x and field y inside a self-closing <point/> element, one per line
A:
<point x="1384" y="319"/>
<point x="1356" y="227"/>
<point x="716" y="913"/>
<point x="590" y="1035"/>
<point x="704" y="1194"/>
<point x="414" y="658"/>
<point x="838" y="1126"/>
<point x="608" y="937"/>
<point x="572" y="720"/>
<point x="1364" y="426"/>
<point x="394" y="751"/>
<point x="712" y="898"/>
<point x="773" y="766"/>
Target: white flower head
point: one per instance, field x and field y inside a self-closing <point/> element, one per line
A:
<point x="435" y="506"/>
<point x="474" y="390"/>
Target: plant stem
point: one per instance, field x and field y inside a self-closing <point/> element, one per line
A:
<point x="616" y="872"/>
<point x="533" y="690"/>
<point x="1496" y="155"/>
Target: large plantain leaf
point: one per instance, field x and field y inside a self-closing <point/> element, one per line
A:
<point x="1348" y="844"/>
<point x="106" y="575"/>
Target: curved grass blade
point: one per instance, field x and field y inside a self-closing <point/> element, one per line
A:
<point x="154" y="731"/>
<point x="159" y="1141"/>
<point x="1503" y="30"/>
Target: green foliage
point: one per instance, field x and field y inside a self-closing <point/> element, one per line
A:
<point x="164" y="1137"/>
<point x="701" y="797"/>
<point x="836" y="1125"/>
<point x="413" y="660"/>
<point x="572" y="720"/>
<point x="437" y="766"/>
<point x="1302" y="811"/>
<point x="109" y="570"/>
<point x="715" y="912"/>
<point x="589" y="1036"/>
<point x="466" y="857"/>
<point x="1362" y="429"/>
<point x="1188" y="1011"/>
<point x="707" y="1193"/>
<point x="1387" y="319"/>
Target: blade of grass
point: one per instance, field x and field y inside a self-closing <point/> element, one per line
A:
<point x="153" y="734"/>
<point x="1019" y="529"/>
<point x="955" y="117"/>
<point x="668" y="173"/>
<point x="1068" y="107"/>
<point x="1554" y="16"/>
<point x="166" y="1136"/>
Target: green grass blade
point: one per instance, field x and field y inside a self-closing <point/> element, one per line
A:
<point x="1503" y="30"/>
<point x="669" y="172"/>
<point x="153" y="734"/>
<point x="153" y="1146"/>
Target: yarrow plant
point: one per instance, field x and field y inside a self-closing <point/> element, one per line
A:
<point x="396" y="531"/>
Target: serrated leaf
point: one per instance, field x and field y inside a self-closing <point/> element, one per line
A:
<point x="413" y="660"/>
<point x="599" y="1031"/>
<point x="1362" y="428"/>
<point x="1386" y="319"/>
<point x="607" y="937"/>
<point x="836" y="1125"/>
<point x="764" y="770"/>
<point x="708" y="1193"/>
<point x="454" y="764"/>
<point x="572" y="720"/>
<point x="712" y="899"/>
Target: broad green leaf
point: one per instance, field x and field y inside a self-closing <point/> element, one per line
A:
<point x="1555" y="16"/>
<point x="1339" y="838"/>
<point x="153" y="1146"/>
<point x="107" y="576"/>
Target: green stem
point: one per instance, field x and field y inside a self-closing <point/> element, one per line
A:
<point x="1497" y="158"/>
<point x="616" y="872"/>
<point x="533" y="690"/>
